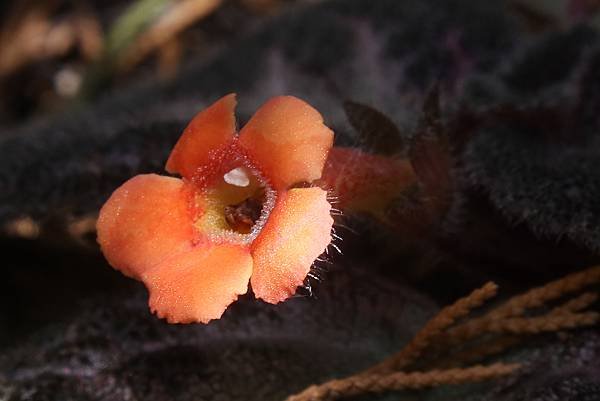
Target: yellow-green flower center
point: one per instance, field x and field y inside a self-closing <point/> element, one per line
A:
<point x="235" y="206"/>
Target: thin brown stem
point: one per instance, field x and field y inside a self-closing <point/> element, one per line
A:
<point x="361" y="384"/>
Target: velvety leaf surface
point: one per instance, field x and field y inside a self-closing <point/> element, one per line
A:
<point x="524" y="207"/>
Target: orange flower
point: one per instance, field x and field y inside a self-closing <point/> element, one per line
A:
<point x="244" y="211"/>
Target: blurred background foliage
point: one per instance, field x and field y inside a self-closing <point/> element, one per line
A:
<point x="57" y="53"/>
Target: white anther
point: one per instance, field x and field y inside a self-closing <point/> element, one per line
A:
<point x="237" y="177"/>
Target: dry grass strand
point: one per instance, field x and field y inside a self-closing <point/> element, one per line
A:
<point x="361" y="384"/>
<point x="445" y="318"/>
<point x="541" y="324"/>
<point x="500" y="329"/>
<point x="516" y="306"/>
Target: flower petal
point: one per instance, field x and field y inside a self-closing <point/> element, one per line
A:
<point x="144" y="221"/>
<point x="297" y="232"/>
<point x="209" y="131"/>
<point x="197" y="286"/>
<point x="287" y="139"/>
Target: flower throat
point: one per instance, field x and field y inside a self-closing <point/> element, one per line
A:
<point x="236" y="205"/>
